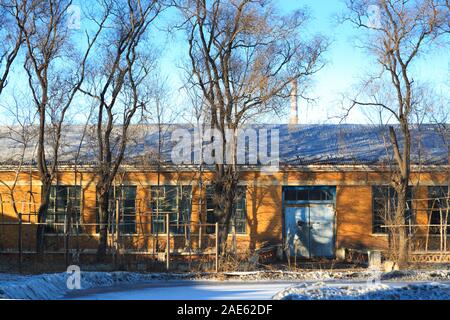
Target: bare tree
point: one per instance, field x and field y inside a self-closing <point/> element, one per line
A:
<point x="121" y="69"/>
<point x="199" y="119"/>
<point x="164" y="115"/>
<point x="399" y="32"/>
<point x="440" y="117"/>
<point x="242" y="56"/>
<point x="21" y="131"/>
<point x="49" y="45"/>
<point x="11" y="36"/>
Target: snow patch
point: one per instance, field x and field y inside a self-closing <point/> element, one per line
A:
<point x="322" y="291"/>
<point x="54" y="286"/>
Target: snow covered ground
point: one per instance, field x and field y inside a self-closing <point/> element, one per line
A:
<point x="358" y="291"/>
<point x="181" y="290"/>
<point x="239" y="286"/>
<point x="54" y="286"/>
<point x="332" y="290"/>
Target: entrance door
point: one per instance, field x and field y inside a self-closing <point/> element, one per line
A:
<point x="321" y="217"/>
<point x="297" y="233"/>
<point x="309" y="230"/>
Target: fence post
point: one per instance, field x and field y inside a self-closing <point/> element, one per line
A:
<point x="200" y="227"/>
<point x="20" y="244"/>
<point x="66" y="234"/>
<point x="200" y="231"/>
<point x="168" y="243"/>
<point x="217" y="247"/>
<point x="117" y="220"/>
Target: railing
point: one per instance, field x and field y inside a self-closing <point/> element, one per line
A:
<point x="117" y="246"/>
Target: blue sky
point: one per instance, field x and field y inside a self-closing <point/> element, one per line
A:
<point x="345" y="63"/>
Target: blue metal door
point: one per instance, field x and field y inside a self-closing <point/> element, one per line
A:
<point x="309" y="221"/>
<point x="297" y="233"/>
<point x="309" y="230"/>
<point x="321" y="221"/>
<point x="309" y="225"/>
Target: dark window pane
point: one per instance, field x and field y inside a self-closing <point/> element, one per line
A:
<point x="176" y="201"/>
<point x="303" y="195"/>
<point x="438" y="205"/>
<point x="126" y="195"/>
<point x="384" y="204"/>
<point x="290" y="195"/>
<point x="125" y="198"/>
<point x="309" y="194"/>
<point x="239" y="217"/>
<point x="315" y="195"/>
<point x="240" y="212"/>
<point x="62" y="199"/>
<point x="210" y="215"/>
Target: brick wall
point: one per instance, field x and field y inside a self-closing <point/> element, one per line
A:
<point x="264" y="207"/>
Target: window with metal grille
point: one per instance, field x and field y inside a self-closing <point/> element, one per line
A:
<point x="439" y="208"/>
<point x="125" y="197"/>
<point x="175" y="201"/>
<point x="62" y="200"/>
<point x="384" y="204"/>
<point x="239" y="217"/>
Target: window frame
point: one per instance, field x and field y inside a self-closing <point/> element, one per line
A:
<point x="431" y="206"/>
<point x="58" y="213"/>
<point x="391" y="196"/>
<point x="211" y="218"/>
<point x="327" y="194"/>
<point x="178" y="213"/>
<point x="112" y="208"/>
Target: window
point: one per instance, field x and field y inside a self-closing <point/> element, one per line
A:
<point x="439" y="204"/>
<point x="239" y="217"/>
<point x="384" y="204"/>
<point x="125" y="196"/>
<point x="127" y="210"/>
<point x="308" y="194"/>
<point x="63" y="198"/>
<point x="175" y="201"/>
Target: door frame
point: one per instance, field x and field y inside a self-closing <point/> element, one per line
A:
<point x="302" y="203"/>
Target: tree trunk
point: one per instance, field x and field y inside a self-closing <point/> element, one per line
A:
<point x="400" y="221"/>
<point x="401" y="182"/>
<point x="224" y="223"/>
<point x="103" y="200"/>
<point x="42" y="215"/>
<point x="224" y="193"/>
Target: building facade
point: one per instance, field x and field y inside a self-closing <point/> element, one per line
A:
<point x="331" y="192"/>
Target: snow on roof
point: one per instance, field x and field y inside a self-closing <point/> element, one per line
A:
<point x="299" y="145"/>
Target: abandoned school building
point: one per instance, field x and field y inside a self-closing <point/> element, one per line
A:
<point x="331" y="191"/>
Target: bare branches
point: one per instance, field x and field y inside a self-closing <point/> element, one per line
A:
<point x="121" y="68"/>
<point x="21" y="132"/>
<point x="398" y="32"/>
<point x="243" y="55"/>
<point x="11" y="38"/>
<point x="116" y="81"/>
<point x="53" y="84"/>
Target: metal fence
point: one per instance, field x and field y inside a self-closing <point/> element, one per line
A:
<point x="74" y="237"/>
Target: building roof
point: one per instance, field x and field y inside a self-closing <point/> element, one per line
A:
<point x="300" y="145"/>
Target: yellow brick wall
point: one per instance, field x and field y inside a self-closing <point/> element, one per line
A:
<point x="354" y="219"/>
<point x="264" y="207"/>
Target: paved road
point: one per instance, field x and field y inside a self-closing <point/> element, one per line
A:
<point x="206" y="290"/>
<point x="186" y="290"/>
